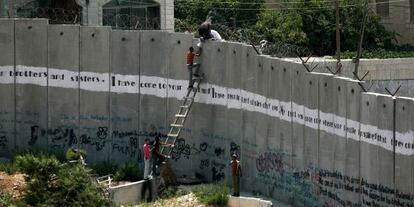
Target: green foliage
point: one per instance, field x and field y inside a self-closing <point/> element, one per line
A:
<point x="220" y="12"/>
<point x="73" y="187"/>
<point x="313" y="26"/>
<point x="278" y="26"/>
<point x="39" y="151"/>
<point x="6" y="199"/>
<point x="7" y="167"/>
<point x="104" y="168"/>
<point x="53" y="183"/>
<point x="212" y="194"/>
<point x="128" y="172"/>
<point x="380" y="54"/>
<point x="75" y="154"/>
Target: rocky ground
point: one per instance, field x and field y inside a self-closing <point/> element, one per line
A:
<point x="189" y="200"/>
<point x="13" y="184"/>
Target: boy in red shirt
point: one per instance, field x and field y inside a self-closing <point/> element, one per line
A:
<point x="191" y="66"/>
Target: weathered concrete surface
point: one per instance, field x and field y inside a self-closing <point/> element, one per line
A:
<point x="247" y="202"/>
<point x="63" y="103"/>
<point x="7" y="104"/>
<point x="134" y="193"/>
<point x="95" y="118"/>
<point x="248" y="124"/>
<point x="178" y="45"/>
<point x="31" y="100"/>
<point x="404" y="165"/>
<point x="125" y="144"/>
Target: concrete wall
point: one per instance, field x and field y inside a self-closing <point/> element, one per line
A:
<point x="310" y="139"/>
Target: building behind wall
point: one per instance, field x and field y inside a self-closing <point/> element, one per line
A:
<point x="397" y="16"/>
<point x="120" y="14"/>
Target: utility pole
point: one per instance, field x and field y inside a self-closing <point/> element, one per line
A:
<point x="361" y="40"/>
<point x="338" y="37"/>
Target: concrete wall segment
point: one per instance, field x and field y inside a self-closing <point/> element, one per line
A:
<point x="63" y="103"/>
<point x="31" y="60"/>
<point x="7" y="105"/>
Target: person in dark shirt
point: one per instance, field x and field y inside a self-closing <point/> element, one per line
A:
<point x="158" y="158"/>
<point x="204" y="31"/>
<point x="236" y="173"/>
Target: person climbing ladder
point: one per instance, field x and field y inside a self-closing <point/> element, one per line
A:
<point x="191" y="66"/>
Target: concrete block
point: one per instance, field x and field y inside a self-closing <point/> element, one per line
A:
<point x="31" y="79"/>
<point x="63" y="103"/>
<point x="126" y="143"/>
<point x="202" y="131"/>
<point x="262" y="71"/>
<point x="369" y="163"/>
<point x="385" y="104"/>
<point x="298" y="123"/>
<point x="248" y="202"/>
<point x="94" y="67"/>
<point x="284" y="89"/>
<point x="248" y="86"/>
<point x="311" y="120"/>
<point x="7" y="105"/>
<point x="178" y="75"/>
<point x="273" y="111"/>
<point x="404" y="165"/>
<point x="233" y="112"/>
<point x="153" y="74"/>
<point x="327" y="108"/>
<point x="217" y="77"/>
<point x="352" y="171"/>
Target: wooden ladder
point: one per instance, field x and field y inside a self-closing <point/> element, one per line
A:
<point x="180" y="118"/>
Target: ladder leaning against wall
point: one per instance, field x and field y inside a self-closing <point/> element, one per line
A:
<point x="180" y="118"/>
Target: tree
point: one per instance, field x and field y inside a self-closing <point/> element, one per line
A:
<point x="312" y="24"/>
<point x="232" y="13"/>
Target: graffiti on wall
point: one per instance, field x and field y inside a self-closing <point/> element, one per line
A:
<point x="316" y="187"/>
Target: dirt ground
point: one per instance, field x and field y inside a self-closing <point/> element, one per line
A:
<point x="14" y="184"/>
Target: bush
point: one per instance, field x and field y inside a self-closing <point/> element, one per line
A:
<point x="212" y="194"/>
<point x="53" y="183"/>
<point x="39" y="151"/>
<point x="7" y="167"/>
<point x="104" y="168"/>
<point x="128" y="172"/>
<point x="380" y="54"/>
<point x="6" y="199"/>
<point x="73" y="187"/>
<point x="75" y="154"/>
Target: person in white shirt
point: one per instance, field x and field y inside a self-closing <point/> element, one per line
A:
<point x="216" y="35"/>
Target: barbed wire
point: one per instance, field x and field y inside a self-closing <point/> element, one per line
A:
<point x="55" y="15"/>
<point x="131" y="22"/>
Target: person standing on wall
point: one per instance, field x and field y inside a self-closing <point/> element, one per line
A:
<point x="191" y="66"/>
<point x="147" y="159"/>
<point x="236" y="173"/>
<point x="158" y="158"/>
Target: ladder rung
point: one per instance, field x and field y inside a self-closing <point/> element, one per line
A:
<point x="172" y="135"/>
<point x="177" y="125"/>
<point x="180" y="115"/>
<point x="185" y="106"/>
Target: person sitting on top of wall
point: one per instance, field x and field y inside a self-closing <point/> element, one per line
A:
<point x="216" y="35"/>
<point x="204" y="31"/>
